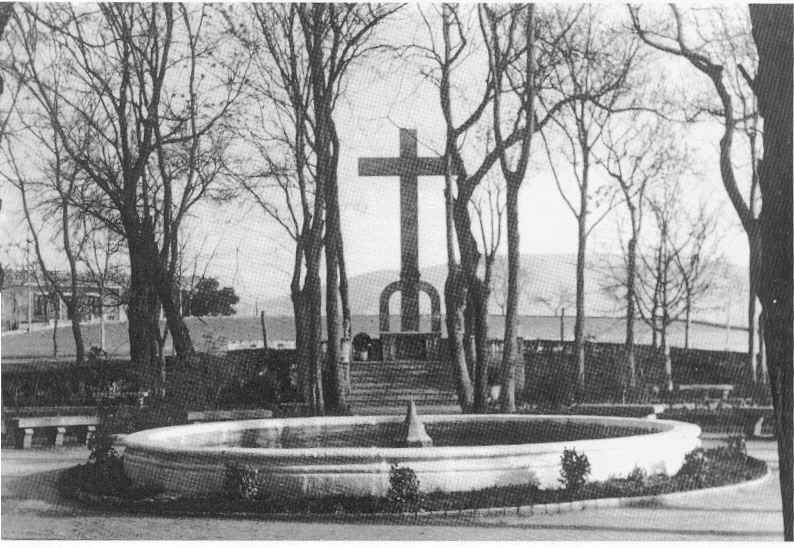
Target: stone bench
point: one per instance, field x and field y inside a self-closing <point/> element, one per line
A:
<point x="60" y="423"/>
<point x="705" y="390"/>
<point x="214" y="415"/>
<point x="639" y="410"/>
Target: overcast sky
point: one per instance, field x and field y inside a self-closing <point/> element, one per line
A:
<point x="253" y="253"/>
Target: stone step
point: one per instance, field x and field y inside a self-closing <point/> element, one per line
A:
<point x="390" y="385"/>
<point x="376" y="385"/>
<point x="383" y="389"/>
<point x="400" y="402"/>
<point x="399" y="410"/>
<point x="401" y="371"/>
<point x="402" y="366"/>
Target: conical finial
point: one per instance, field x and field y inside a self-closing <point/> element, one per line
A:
<point x="413" y="432"/>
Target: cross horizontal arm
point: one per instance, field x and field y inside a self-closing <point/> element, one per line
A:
<point x="392" y="167"/>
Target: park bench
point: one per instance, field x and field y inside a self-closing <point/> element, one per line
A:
<point x="60" y="423"/>
<point x="705" y="391"/>
<point x="641" y="410"/>
<point x="12" y="413"/>
<point x="213" y="415"/>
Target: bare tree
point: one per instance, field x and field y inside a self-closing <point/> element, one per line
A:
<point x="302" y="57"/>
<point x="489" y="207"/>
<point x="677" y="266"/>
<point x="453" y="56"/>
<point x="596" y="70"/>
<point x="635" y="157"/>
<point x="709" y="56"/>
<point x="138" y="78"/>
<point x="772" y="32"/>
<point x="54" y="182"/>
<point x="499" y="27"/>
<point x="102" y="249"/>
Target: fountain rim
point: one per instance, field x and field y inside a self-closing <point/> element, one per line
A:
<point x="157" y="440"/>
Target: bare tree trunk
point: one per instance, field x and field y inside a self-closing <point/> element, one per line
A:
<point x="347" y="326"/>
<point x="334" y="399"/>
<point x="508" y="369"/>
<point x="180" y="335"/>
<point x="687" y="319"/>
<point x="73" y="305"/>
<point x="754" y="242"/>
<point x="631" y="278"/>
<point x="480" y="293"/>
<point x="55" y="337"/>
<point x="102" y="334"/>
<point x="301" y="319"/>
<point x="772" y="32"/>
<point x="469" y="349"/>
<point x="344" y="293"/>
<point x="578" y="330"/>
<point x="140" y="311"/>
<point x="455" y="298"/>
<point x="313" y="338"/>
<point x="455" y="293"/>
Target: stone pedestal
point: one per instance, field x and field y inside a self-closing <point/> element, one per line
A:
<point x="410" y="346"/>
<point x="413" y="432"/>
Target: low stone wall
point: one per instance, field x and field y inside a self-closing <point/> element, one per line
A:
<point x="192" y="459"/>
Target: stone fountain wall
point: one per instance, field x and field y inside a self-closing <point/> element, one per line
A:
<point x="192" y="458"/>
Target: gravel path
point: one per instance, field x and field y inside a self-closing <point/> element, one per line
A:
<point x="31" y="509"/>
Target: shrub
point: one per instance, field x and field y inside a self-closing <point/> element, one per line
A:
<point x="245" y="482"/>
<point x="695" y="469"/>
<point x="737" y="447"/>
<point x="638" y="476"/>
<point x="575" y="468"/>
<point x="404" y="493"/>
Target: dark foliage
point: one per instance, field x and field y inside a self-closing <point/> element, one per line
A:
<point x="404" y="492"/>
<point x="207" y="298"/>
<point x="574" y="469"/>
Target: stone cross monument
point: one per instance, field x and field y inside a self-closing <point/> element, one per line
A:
<point x="409" y="167"/>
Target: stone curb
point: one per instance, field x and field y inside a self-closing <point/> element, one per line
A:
<point x="613" y="502"/>
<point x="526" y="510"/>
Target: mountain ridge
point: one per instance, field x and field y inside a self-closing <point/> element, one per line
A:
<point x="548" y="285"/>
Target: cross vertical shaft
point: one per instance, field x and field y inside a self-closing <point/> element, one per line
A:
<point x="409" y="237"/>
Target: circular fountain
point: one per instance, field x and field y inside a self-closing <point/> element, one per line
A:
<point x="353" y="455"/>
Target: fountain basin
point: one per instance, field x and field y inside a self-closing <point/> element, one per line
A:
<point x="320" y="456"/>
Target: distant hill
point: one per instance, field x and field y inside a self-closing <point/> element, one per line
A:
<point x="216" y="332"/>
<point x="549" y="280"/>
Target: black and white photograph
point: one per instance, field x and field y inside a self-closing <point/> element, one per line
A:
<point x="404" y="272"/>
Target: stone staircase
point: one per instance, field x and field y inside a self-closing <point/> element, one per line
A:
<point x="385" y="387"/>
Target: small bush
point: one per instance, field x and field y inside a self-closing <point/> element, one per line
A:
<point x="245" y="482"/>
<point x="737" y="447"/>
<point x="404" y="491"/>
<point x="695" y="469"/>
<point x="638" y="476"/>
<point x="575" y="468"/>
